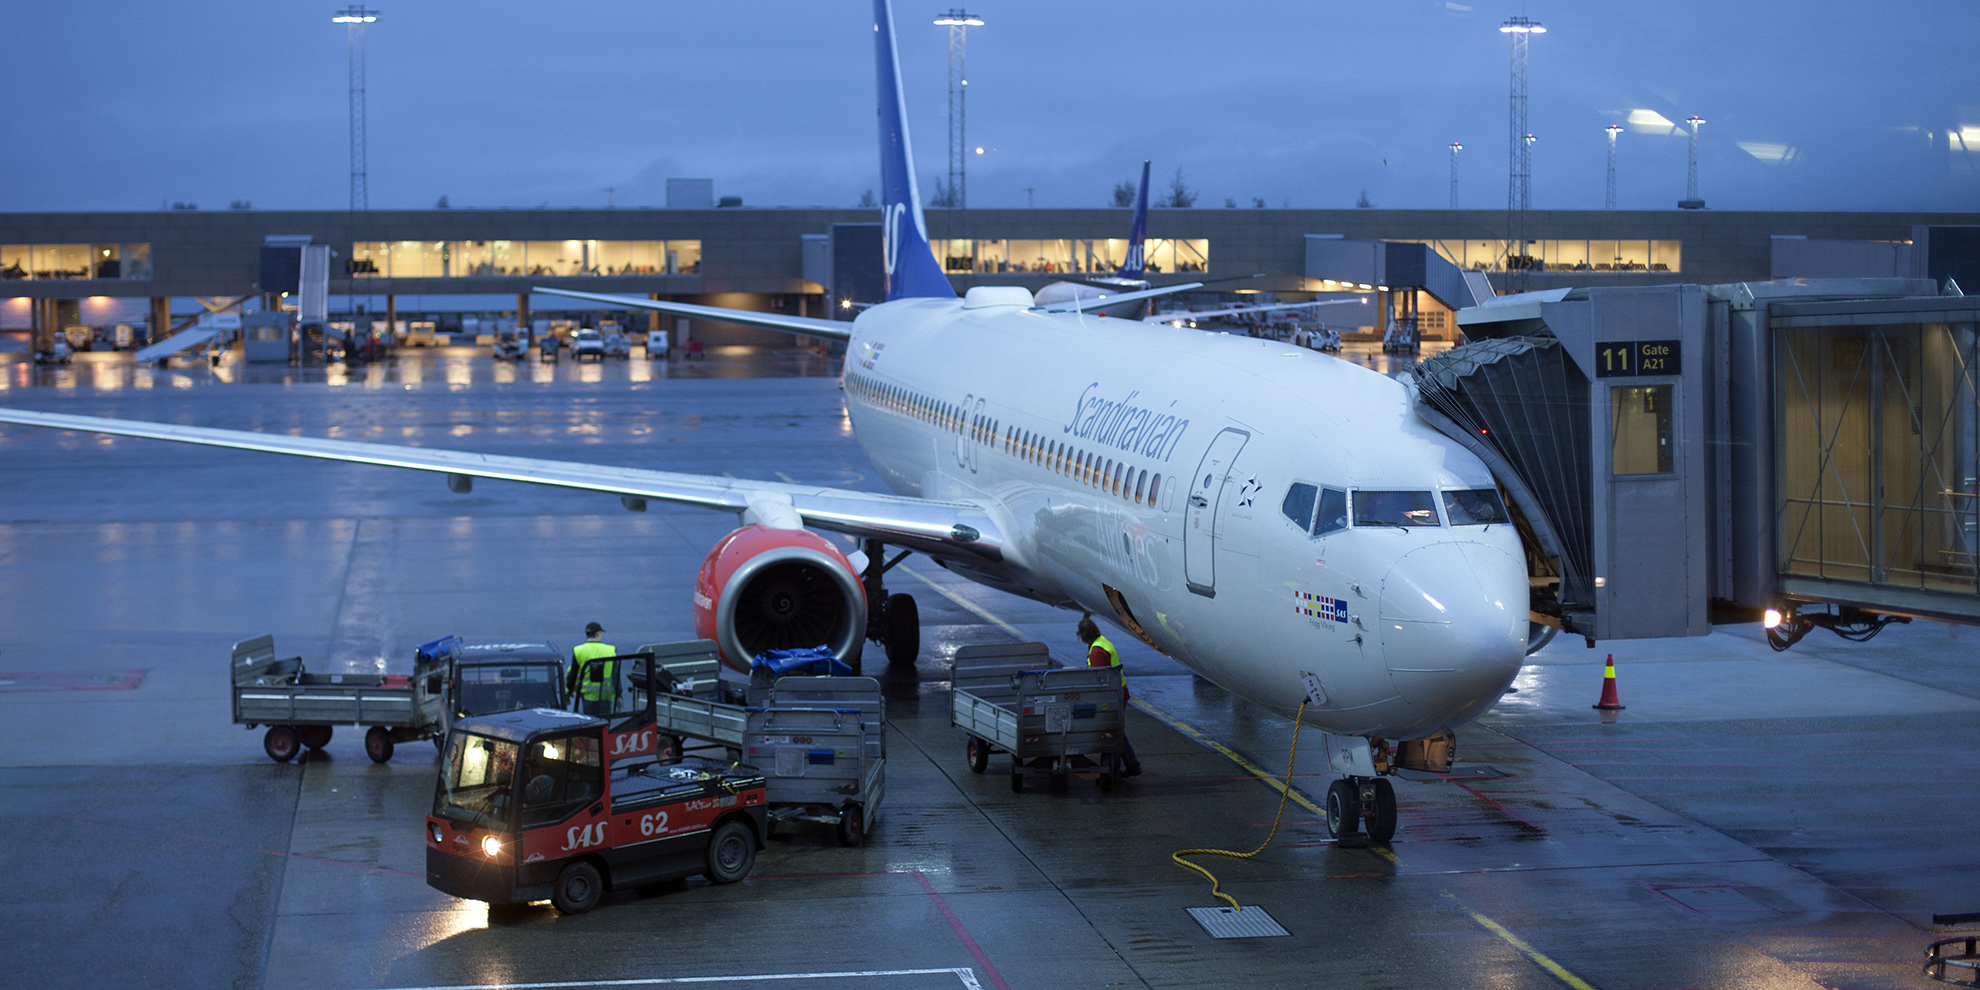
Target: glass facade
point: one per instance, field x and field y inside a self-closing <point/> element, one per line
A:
<point x="70" y="261"/>
<point x="468" y="259"/>
<point x="1879" y="453"/>
<point x="1072" y="256"/>
<point x="1562" y="255"/>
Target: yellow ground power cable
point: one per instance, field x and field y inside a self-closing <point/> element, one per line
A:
<point x="1216" y="888"/>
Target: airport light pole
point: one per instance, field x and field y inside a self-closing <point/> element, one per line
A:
<point x="1518" y="184"/>
<point x="1691" y="200"/>
<point x="354" y="18"/>
<point x="1455" y="148"/>
<point x="1609" y="201"/>
<point x="958" y="21"/>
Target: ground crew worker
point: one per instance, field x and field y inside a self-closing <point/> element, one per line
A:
<point x="1101" y="653"/>
<point x="593" y="683"/>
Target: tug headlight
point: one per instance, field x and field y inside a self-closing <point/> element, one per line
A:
<point x="491" y="846"/>
<point x="1772" y="618"/>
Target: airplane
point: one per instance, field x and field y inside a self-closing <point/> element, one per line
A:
<point x="1129" y="278"/>
<point x="1275" y="519"/>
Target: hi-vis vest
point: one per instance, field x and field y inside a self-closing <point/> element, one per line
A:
<point x="596" y="681"/>
<point x="1113" y="655"/>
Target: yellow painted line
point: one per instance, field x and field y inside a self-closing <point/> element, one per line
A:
<point x="1539" y="958"/>
<point x="1230" y="754"/>
<point x="972" y="606"/>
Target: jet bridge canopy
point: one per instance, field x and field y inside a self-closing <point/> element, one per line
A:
<point x="1680" y="453"/>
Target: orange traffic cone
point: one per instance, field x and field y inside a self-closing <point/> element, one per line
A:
<point x="1609" y="700"/>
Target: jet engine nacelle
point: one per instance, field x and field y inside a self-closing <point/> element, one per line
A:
<point x="767" y="589"/>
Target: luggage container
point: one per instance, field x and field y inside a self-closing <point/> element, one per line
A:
<point x="1013" y="698"/>
<point x="302" y="709"/>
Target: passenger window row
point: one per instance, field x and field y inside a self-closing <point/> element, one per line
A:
<point x="1119" y="478"/>
<point x="1319" y="511"/>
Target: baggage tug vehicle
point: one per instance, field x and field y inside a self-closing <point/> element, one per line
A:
<point x="531" y="806"/>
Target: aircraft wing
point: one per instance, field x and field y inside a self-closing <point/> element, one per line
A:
<point x="943" y="529"/>
<point x="1100" y="301"/>
<point x="1233" y="311"/>
<point x="806" y="325"/>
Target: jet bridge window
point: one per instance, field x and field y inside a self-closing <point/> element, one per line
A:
<point x="1476" y="507"/>
<point x="1405" y="509"/>
<point x="1315" y="510"/>
<point x="1640" y="430"/>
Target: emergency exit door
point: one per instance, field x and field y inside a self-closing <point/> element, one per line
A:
<point x="1206" y="494"/>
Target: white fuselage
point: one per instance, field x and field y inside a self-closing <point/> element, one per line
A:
<point x="1410" y="630"/>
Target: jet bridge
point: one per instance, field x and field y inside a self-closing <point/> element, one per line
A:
<point x="1684" y="454"/>
<point x="1402" y="272"/>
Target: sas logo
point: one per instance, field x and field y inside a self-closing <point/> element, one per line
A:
<point x="633" y="743"/>
<point x="1320" y="606"/>
<point x="584" y="836"/>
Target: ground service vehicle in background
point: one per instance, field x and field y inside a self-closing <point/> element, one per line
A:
<point x="587" y="344"/>
<point x="618" y="345"/>
<point x="533" y="804"/>
<point x="546" y="347"/>
<point x="511" y="345"/>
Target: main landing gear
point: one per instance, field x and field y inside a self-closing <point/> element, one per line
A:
<point x="893" y="621"/>
<point x="1355" y="800"/>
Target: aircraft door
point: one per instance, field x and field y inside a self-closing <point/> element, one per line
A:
<point x="1206" y="493"/>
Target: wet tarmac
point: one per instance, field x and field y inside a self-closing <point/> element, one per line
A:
<point x="1752" y="819"/>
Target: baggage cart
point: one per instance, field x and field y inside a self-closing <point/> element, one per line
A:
<point x="302" y="709"/>
<point x="820" y="741"/>
<point x="1013" y="698"/>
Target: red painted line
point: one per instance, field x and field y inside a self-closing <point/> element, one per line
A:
<point x="982" y="960"/>
<point x="1508" y="812"/>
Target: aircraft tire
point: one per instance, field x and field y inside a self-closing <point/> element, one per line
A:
<point x="1382" y="817"/>
<point x="903" y="627"/>
<point x="1343" y="809"/>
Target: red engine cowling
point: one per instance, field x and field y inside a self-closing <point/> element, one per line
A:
<point x="768" y="589"/>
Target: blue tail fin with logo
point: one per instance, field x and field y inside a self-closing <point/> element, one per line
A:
<point x="911" y="269"/>
<point x="1134" y="265"/>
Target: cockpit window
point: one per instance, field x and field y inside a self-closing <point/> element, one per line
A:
<point x="1301" y="503"/>
<point x="1298" y="505"/>
<point x="1477" y="507"/>
<point x="1333" y="515"/>
<point x="1406" y="509"/>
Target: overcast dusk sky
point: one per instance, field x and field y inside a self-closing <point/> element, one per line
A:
<point x="1812" y="105"/>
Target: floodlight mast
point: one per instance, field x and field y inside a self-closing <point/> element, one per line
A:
<point x="1609" y="201"/>
<point x="1691" y="200"/>
<point x="1455" y="148"/>
<point x="958" y="21"/>
<point x="354" y="18"/>
<point x="1519" y="184"/>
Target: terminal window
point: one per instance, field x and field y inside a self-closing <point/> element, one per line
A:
<point x="1074" y="256"/>
<point x="74" y="261"/>
<point x="1570" y="255"/>
<point x="1640" y="430"/>
<point x="540" y="259"/>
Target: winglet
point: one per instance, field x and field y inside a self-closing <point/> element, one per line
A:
<point x="1134" y="265"/>
<point x="911" y="270"/>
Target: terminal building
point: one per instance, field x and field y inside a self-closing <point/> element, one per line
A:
<point x="159" y="269"/>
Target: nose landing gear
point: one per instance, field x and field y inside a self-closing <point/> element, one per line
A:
<point x="1353" y="800"/>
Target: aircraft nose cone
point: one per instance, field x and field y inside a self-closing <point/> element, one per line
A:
<point x="1454" y="623"/>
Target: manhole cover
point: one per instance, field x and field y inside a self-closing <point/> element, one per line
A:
<point x="1223" y="922"/>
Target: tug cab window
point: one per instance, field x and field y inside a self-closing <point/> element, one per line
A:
<point x="1405" y="509"/>
<point x="560" y="776"/>
<point x="1315" y="510"/>
<point x="1476" y="507"/>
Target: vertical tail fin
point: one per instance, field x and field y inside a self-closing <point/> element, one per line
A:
<point x="911" y="269"/>
<point x="1134" y="265"/>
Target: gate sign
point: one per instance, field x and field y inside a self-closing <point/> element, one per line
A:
<point x="1633" y="358"/>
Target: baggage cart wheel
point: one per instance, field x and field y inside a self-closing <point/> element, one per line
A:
<point x="852" y="826"/>
<point x="314" y="736"/>
<point x="281" y="743"/>
<point x="1111" y="774"/>
<point x="378" y="743"/>
<point x="1017" y="776"/>
<point x="1343" y="808"/>
<point x="1382" y="817"/>
<point x="979" y="755"/>
<point x="731" y="853"/>
<point x="578" y="888"/>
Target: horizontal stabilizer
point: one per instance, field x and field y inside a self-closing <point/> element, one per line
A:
<point x="805" y="325"/>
